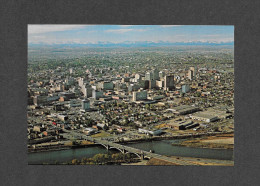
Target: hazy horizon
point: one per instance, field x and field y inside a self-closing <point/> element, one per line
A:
<point x="116" y="34"/>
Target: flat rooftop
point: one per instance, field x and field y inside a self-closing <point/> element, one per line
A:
<point x="204" y="115"/>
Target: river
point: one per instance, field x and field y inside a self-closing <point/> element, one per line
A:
<point x="163" y="147"/>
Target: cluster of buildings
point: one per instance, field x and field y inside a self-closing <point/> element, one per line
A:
<point x="102" y="98"/>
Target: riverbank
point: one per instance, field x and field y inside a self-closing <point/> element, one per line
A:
<point x="219" y="141"/>
<point x="196" y="161"/>
<point x="56" y="146"/>
<point x="187" y="136"/>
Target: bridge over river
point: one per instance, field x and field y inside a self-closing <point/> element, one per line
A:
<point x="126" y="149"/>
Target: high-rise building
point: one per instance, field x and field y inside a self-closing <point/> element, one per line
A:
<point x="87" y="91"/>
<point x="161" y="74"/>
<point x="159" y="84"/>
<point x="97" y="94"/>
<point x="155" y="73"/>
<point x="106" y="85"/>
<point x="85" y="104"/>
<point x="152" y="84"/>
<point x="185" y="88"/>
<point x="81" y="82"/>
<point x="194" y="69"/>
<point x="70" y="81"/>
<point x="137" y="78"/>
<point x="133" y="87"/>
<point x="141" y="95"/>
<point x="169" y="82"/>
<point x="144" y="84"/>
<point x="190" y="75"/>
<point x="148" y="76"/>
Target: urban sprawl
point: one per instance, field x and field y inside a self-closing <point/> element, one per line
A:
<point x="128" y="94"/>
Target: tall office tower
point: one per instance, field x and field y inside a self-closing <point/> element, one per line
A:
<point x="152" y="84"/>
<point x="144" y="84"/>
<point x="85" y="104"/>
<point x="194" y="69"/>
<point x="137" y="77"/>
<point x="87" y="92"/>
<point x="169" y="82"/>
<point x="81" y="81"/>
<point x="155" y="74"/>
<point x="161" y="74"/>
<point x="148" y="76"/>
<point x="190" y="75"/>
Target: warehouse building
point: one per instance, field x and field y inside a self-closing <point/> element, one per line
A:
<point x="185" y="109"/>
<point x="204" y="116"/>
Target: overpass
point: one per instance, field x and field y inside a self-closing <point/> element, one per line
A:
<point x="126" y="149"/>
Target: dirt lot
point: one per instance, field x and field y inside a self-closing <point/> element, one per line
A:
<point x="196" y="161"/>
<point x="223" y="141"/>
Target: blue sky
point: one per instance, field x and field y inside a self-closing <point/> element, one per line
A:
<point x="61" y="34"/>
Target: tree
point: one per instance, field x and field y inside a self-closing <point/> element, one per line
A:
<point x="126" y="121"/>
<point x="75" y="162"/>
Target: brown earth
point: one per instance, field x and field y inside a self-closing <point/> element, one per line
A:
<point x="196" y="161"/>
<point x="222" y="141"/>
<point x="154" y="161"/>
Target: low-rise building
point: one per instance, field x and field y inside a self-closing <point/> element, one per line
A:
<point x="204" y="116"/>
<point x="185" y="109"/>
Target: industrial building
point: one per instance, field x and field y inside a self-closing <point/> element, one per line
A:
<point x="149" y="132"/>
<point x="185" y="109"/>
<point x="204" y="116"/>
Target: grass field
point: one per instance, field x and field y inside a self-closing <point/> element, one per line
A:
<point x="101" y="135"/>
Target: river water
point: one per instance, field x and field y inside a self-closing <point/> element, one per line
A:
<point x="163" y="147"/>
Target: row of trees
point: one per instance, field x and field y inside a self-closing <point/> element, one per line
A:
<point x="104" y="159"/>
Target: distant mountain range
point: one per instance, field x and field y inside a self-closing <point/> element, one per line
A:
<point x="135" y="44"/>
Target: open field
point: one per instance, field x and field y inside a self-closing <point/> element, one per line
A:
<point x="101" y="135"/>
<point x="223" y="141"/>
